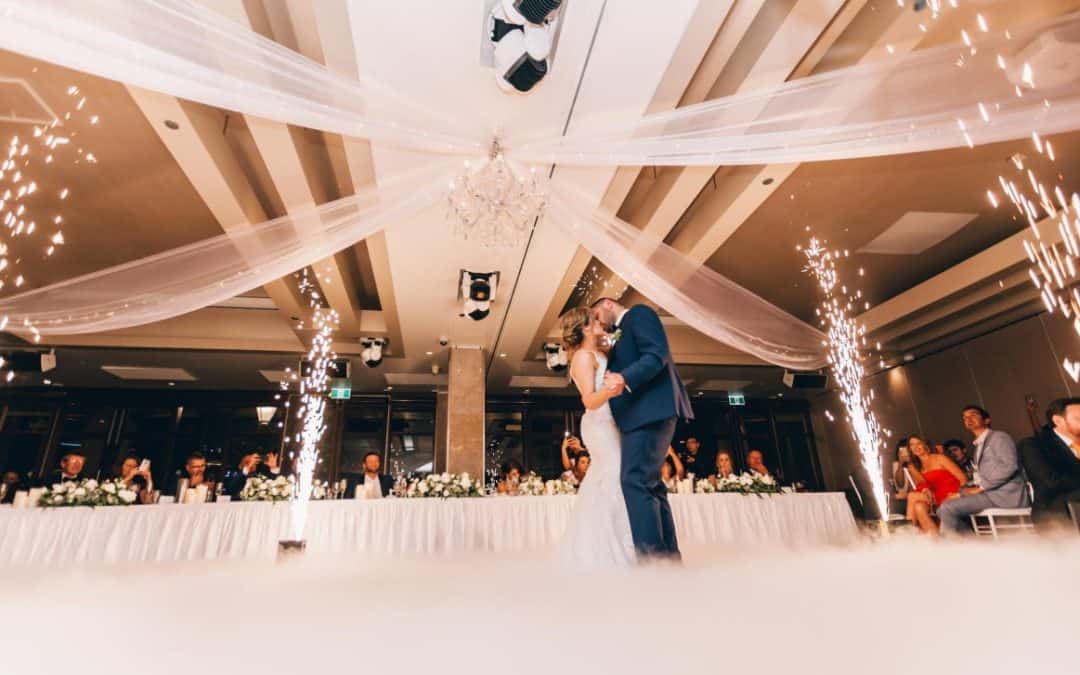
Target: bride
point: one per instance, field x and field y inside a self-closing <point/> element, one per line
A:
<point x="598" y="534"/>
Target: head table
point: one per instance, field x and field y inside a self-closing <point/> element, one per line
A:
<point x="170" y="532"/>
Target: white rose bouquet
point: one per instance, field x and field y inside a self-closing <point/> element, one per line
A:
<point x="263" y="489"/>
<point x="88" y="492"/>
<point x="531" y="485"/>
<point x="748" y="484"/>
<point x="561" y="487"/>
<point x="445" y="486"/>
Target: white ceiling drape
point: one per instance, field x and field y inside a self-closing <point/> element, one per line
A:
<point x="918" y="102"/>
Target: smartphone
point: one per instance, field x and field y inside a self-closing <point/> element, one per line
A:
<point x="144" y="465"/>
<point x="566" y="434"/>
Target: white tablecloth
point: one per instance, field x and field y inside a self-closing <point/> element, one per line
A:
<point x="393" y="527"/>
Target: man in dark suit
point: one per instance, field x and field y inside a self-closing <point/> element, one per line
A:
<point x="71" y="468"/>
<point x="648" y="398"/>
<point x="371" y="484"/>
<point x="1051" y="460"/>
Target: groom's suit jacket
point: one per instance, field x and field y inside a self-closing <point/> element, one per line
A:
<point x="655" y="392"/>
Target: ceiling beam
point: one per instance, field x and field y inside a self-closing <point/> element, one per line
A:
<point x="200" y="150"/>
<point x="282" y="159"/>
<point x="329" y="21"/>
<point x="942" y="293"/>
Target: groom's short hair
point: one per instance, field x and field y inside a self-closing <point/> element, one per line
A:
<point x="600" y="301"/>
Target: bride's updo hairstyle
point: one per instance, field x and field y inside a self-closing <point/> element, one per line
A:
<point x="573" y="325"/>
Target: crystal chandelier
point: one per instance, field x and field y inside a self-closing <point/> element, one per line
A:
<point x="495" y="204"/>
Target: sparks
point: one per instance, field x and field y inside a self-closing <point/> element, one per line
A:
<point x="844" y="337"/>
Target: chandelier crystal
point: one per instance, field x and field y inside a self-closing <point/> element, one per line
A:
<point x="495" y="204"/>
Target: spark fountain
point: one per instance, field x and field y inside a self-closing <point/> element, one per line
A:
<point x="845" y="342"/>
<point x="314" y="385"/>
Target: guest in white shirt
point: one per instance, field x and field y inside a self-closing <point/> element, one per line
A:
<point x="372" y="484"/>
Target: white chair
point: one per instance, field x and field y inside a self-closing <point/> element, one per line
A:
<point x="999" y="520"/>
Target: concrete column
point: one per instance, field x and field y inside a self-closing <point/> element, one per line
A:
<point x="442" y="399"/>
<point x="465" y="411"/>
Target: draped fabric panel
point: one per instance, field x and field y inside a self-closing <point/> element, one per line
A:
<point x="395" y="527"/>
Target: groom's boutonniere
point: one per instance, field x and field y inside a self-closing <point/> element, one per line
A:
<point x="613" y="337"/>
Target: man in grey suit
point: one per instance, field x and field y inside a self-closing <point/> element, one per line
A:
<point x="998" y="480"/>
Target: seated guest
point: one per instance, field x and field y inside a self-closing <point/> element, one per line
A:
<point x="755" y="461"/>
<point x="999" y="481"/>
<point x="372" y="483"/>
<point x="672" y="471"/>
<point x="511" y="476"/>
<point x="271" y="464"/>
<point x="574" y="467"/>
<point x="234" y="481"/>
<point x="71" y="468"/>
<point x="194" y="472"/>
<point x="901" y="484"/>
<point x="958" y="452"/>
<point x="137" y="479"/>
<point x="9" y="485"/>
<point x="1052" y="463"/>
<point x="937" y="480"/>
<point x="695" y="460"/>
<point x="579" y="468"/>
<point x="725" y="467"/>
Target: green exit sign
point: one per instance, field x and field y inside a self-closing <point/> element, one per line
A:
<point x="736" y="398"/>
<point x="338" y="393"/>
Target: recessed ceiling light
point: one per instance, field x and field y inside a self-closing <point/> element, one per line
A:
<point x="502" y="356"/>
<point x="527" y="391"/>
<point x="767" y="181"/>
<point x="172" y="384"/>
<point x="389" y="389"/>
<point x="47" y="381"/>
<point x="429" y="353"/>
<point x="172" y="125"/>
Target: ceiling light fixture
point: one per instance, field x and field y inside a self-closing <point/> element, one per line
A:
<point x="495" y="204"/>
<point x="172" y="125"/>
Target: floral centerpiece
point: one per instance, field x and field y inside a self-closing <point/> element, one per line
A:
<point x="704" y="486"/>
<point x="320" y="489"/>
<point x="530" y="485"/>
<point x="263" y="489"/>
<point x="745" y="483"/>
<point x="88" y="492"/>
<point x="445" y="486"/>
<point x="561" y="487"/>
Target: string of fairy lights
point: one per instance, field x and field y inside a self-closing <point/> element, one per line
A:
<point x="27" y="177"/>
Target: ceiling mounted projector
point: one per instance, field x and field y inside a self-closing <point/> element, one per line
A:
<point x="477" y="291"/>
<point x="555" y="357"/>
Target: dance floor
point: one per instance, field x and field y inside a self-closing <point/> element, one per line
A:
<point x="902" y="606"/>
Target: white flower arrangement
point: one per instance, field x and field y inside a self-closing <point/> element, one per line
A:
<point x="88" y="492"/>
<point x="704" y="486"/>
<point x="561" y="487"/>
<point x="320" y="489"/>
<point x="263" y="489"/>
<point x="530" y="485"/>
<point x="444" y="486"/>
<point x="744" y="483"/>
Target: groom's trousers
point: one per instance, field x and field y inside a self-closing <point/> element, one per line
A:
<point x="643" y="454"/>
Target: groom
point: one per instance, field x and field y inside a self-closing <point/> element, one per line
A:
<point x="648" y="398"/>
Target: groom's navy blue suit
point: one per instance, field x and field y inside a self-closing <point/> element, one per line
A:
<point x="646" y="413"/>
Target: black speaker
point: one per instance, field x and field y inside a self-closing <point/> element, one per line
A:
<point x="805" y="380"/>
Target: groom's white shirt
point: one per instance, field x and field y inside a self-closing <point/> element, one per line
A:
<point x="618" y="321"/>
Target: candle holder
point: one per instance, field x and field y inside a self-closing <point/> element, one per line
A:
<point x="290" y="548"/>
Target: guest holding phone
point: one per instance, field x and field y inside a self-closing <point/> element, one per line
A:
<point x="135" y="473"/>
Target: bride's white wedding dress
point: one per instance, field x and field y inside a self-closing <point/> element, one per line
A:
<point x="598" y="534"/>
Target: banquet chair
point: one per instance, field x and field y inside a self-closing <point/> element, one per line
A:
<point x="997" y="520"/>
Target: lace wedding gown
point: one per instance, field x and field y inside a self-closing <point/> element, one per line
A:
<point x="598" y="534"/>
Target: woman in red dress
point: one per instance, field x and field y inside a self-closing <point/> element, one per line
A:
<point x="937" y="479"/>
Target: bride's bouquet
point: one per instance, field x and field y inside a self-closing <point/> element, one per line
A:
<point x="445" y="486"/>
<point x="88" y="492"/>
<point x="263" y="489"/>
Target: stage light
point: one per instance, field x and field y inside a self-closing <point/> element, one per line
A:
<point x="477" y="293"/>
<point x="522" y="33"/>
<point x="372" y="355"/>
<point x="555" y="356"/>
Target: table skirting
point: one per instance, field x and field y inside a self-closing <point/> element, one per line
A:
<point x="169" y="532"/>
